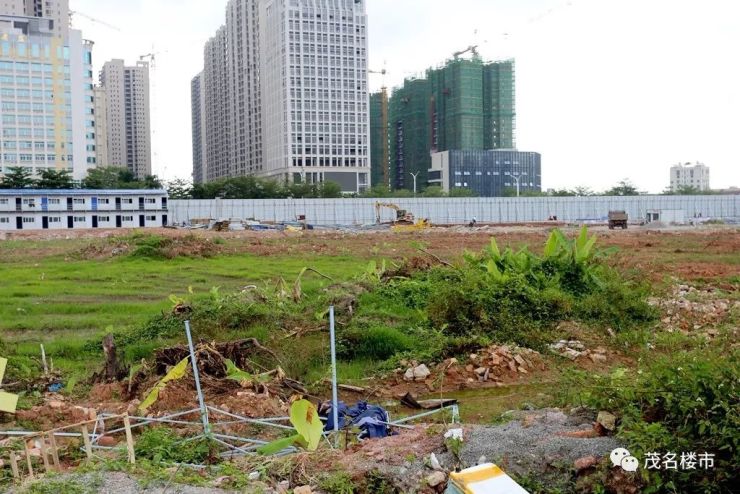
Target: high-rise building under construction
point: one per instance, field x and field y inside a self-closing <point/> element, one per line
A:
<point x="466" y="104"/>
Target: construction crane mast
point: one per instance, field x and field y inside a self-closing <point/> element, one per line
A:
<point x="384" y="125"/>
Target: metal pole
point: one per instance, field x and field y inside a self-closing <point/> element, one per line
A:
<point x="201" y="401"/>
<point x="334" y="397"/>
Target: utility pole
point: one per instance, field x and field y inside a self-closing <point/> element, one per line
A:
<point x="414" y="175"/>
<point x="516" y="177"/>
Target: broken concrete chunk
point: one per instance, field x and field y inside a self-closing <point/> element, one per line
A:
<point x="409" y="376"/>
<point x="436" y="479"/>
<point x="607" y="420"/>
<point x="421" y="372"/>
<point x="584" y="463"/>
<point x="304" y="489"/>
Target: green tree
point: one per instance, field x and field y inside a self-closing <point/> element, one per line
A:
<point x="434" y="191"/>
<point x="55" y="179"/>
<point x="152" y="182"/>
<point x="179" y="189"/>
<point x="583" y="191"/>
<point x="623" y="188"/>
<point x="378" y="191"/>
<point x="461" y="192"/>
<point x="330" y="190"/>
<point x="17" y="178"/>
<point x="686" y="190"/>
<point x="103" y="177"/>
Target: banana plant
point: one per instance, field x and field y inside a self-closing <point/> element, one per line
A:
<point x="177" y="372"/>
<point x="308" y="425"/>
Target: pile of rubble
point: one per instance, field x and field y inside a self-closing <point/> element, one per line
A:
<point x="496" y="363"/>
<point x="493" y="364"/>
<point x="575" y="349"/>
<point x="691" y="309"/>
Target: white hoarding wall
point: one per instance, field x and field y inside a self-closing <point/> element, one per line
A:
<point x="456" y="211"/>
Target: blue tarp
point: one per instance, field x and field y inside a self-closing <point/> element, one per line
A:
<point x="370" y="419"/>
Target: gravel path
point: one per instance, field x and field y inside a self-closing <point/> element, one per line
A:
<point x="534" y="440"/>
<point x="114" y="483"/>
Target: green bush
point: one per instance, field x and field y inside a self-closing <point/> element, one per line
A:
<point x="686" y="402"/>
<point x="378" y="343"/>
<point x="161" y="444"/>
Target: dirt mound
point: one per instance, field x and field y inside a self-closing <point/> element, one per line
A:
<point x="149" y="246"/>
<point x="690" y="309"/>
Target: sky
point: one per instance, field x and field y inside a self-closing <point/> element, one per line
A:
<point x="606" y="89"/>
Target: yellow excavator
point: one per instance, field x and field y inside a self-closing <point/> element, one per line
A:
<point x="404" y="221"/>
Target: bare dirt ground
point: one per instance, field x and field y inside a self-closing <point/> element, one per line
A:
<point x="686" y="253"/>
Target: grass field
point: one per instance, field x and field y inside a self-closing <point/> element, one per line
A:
<point x="68" y="292"/>
<point x="65" y="292"/>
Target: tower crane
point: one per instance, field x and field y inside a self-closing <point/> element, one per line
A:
<point x="93" y="19"/>
<point x="472" y="48"/>
<point x="384" y="125"/>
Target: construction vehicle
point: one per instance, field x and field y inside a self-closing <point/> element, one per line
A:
<point x="404" y="222"/>
<point x="403" y="217"/>
<point x="618" y="219"/>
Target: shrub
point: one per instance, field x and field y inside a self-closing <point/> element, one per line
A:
<point x="687" y="402"/>
<point x="161" y="444"/>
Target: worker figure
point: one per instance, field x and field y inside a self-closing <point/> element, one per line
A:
<point x="473" y="222"/>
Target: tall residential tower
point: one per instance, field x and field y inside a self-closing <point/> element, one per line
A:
<point x="285" y="93"/>
<point x="128" y="137"/>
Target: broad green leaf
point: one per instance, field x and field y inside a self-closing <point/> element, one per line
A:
<point x="552" y="246"/>
<point x="305" y="419"/>
<point x="582" y="239"/>
<point x="177" y="372"/>
<point x="236" y="374"/>
<point x="493" y="270"/>
<point x="495" y="252"/>
<point x="584" y="253"/>
<point x="277" y="446"/>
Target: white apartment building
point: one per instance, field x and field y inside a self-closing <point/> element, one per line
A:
<point x="46" y="97"/>
<point x="688" y="175"/>
<point x="55" y="10"/>
<point x="128" y="122"/>
<point x="285" y="93"/>
<point x="217" y="108"/>
<point x="29" y="209"/>
<point x="313" y="75"/>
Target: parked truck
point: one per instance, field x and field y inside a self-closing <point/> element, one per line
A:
<point x="618" y="219"/>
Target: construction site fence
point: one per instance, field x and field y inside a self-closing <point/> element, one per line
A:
<point x="353" y="212"/>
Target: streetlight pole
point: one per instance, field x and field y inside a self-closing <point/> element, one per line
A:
<point x="516" y="177"/>
<point x="414" y="175"/>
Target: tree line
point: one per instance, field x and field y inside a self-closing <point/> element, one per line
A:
<point x="111" y="177"/>
<point x="104" y="177"/>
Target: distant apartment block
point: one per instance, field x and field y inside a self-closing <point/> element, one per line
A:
<point x="46" y="92"/>
<point x="285" y="93"/>
<point x="491" y="173"/>
<point x="197" y="104"/>
<point x="688" y="175"/>
<point x="101" y="127"/>
<point x="29" y="209"/>
<point x="128" y="125"/>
